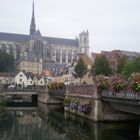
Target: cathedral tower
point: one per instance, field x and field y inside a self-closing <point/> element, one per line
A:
<point x="84" y="42"/>
<point x="32" y="25"/>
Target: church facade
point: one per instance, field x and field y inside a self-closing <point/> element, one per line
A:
<point x="35" y="46"/>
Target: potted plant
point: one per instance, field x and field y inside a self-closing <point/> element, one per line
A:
<point x="102" y="84"/>
<point x="136" y="86"/>
<point x="135" y="82"/>
<point x="119" y="85"/>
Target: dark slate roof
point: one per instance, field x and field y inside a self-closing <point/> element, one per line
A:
<point x="29" y="74"/>
<point x="50" y="40"/>
<point x="37" y="35"/>
<point x="62" y="41"/>
<point x="14" y="37"/>
<point x="53" y="67"/>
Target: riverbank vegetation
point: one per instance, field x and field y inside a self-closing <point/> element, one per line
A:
<point x="7" y="62"/>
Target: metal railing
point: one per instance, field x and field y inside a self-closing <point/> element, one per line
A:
<point x="121" y="95"/>
<point x="20" y="90"/>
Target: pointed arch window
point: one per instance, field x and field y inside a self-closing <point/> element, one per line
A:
<point x="11" y="50"/>
<point x="64" y="56"/>
<point x="74" y="56"/>
<point x="38" y="48"/>
<point x="3" y="47"/>
<point x="58" y="55"/>
<point x="69" y="55"/>
<point x="48" y="52"/>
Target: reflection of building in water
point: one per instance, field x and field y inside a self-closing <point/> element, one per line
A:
<point x="28" y="126"/>
<point x="27" y="119"/>
<point x="57" y="128"/>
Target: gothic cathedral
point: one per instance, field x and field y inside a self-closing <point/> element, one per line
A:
<point x="35" y="46"/>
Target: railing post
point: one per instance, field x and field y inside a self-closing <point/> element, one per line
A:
<point x="139" y="132"/>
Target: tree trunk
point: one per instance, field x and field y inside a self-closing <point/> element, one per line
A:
<point x="80" y="81"/>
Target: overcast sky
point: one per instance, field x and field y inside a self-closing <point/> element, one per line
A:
<point x="112" y="24"/>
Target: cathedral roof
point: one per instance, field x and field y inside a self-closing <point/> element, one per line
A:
<point x="37" y="35"/>
<point x="50" y="40"/>
<point x="14" y="37"/>
<point x="62" y="41"/>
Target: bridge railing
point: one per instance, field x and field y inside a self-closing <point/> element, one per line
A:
<point x="121" y="95"/>
<point x="20" y="90"/>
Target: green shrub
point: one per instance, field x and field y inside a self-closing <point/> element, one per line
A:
<point x="61" y="85"/>
<point x="66" y="101"/>
<point x="55" y="86"/>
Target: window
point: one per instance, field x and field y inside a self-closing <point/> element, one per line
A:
<point x="20" y="80"/>
<point x="20" y="75"/>
<point x="22" y="64"/>
<point x="63" y="56"/>
<point x="3" y="47"/>
<point x="69" y="55"/>
<point x="58" y="55"/>
<point x="30" y="82"/>
<point x="11" y="50"/>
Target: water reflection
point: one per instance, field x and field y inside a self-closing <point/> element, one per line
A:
<point x="51" y="123"/>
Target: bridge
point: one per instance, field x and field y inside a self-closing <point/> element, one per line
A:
<point x="20" y="95"/>
<point x="59" y="94"/>
<point x="123" y="101"/>
<point x="20" y="92"/>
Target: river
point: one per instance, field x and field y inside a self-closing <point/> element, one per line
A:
<point x="51" y="123"/>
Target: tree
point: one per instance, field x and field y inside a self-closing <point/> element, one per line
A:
<point x="131" y="67"/>
<point x="136" y="64"/>
<point x="101" y="66"/>
<point x="80" y="70"/>
<point x="128" y="69"/>
<point x="121" y="64"/>
<point x="7" y="62"/>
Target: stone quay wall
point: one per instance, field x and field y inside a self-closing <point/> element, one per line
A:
<point x="46" y="98"/>
<point x="81" y="89"/>
<point x="100" y="110"/>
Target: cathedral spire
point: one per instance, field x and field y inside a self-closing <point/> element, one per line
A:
<point x="32" y="25"/>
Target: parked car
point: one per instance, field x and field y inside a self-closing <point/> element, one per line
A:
<point x="11" y="87"/>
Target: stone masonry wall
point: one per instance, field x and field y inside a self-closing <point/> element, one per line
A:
<point x="101" y="111"/>
<point x="81" y="90"/>
<point x="45" y="97"/>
